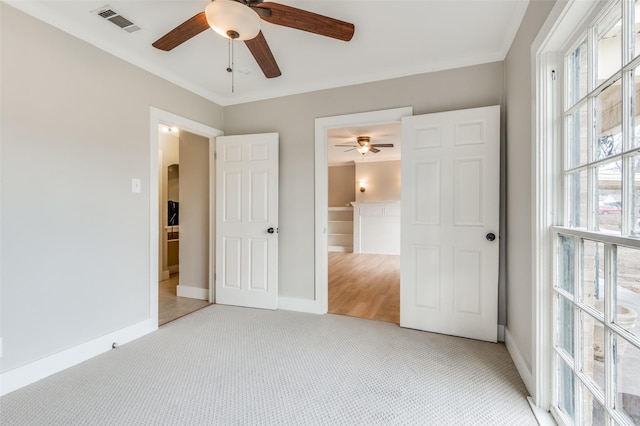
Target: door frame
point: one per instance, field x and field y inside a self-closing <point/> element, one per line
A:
<point x="322" y="126"/>
<point x="157" y="118"/>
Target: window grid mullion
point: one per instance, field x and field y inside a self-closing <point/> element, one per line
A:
<point x="609" y="368"/>
<point x="628" y="35"/>
<point x="577" y="347"/>
<point x="627" y="32"/>
<point x="592" y="60"/>
<point x="627" y="132"/>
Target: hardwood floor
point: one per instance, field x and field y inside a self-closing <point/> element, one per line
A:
<point x="365" y="286"/>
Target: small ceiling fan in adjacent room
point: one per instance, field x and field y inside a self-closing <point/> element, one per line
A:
<point x="364" y="145"/>
<point x="240" y="20"/>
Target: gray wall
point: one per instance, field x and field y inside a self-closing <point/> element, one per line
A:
<point x="293" y="118"/>
<point x="341" y="185"/>
<point x="519" y="102"/>
<point x="194" y="210"/>
<point x="74" y="131"/>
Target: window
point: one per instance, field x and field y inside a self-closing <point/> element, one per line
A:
<point x="596" y="283"/>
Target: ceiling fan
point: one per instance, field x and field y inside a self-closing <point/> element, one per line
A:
<point x="240" y="20"/>
<point x="365" y="145"/>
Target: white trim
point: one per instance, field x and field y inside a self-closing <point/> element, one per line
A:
<point x="212" y="220"/>
<point x="37" y="370"/>
<point x="322" y="126"/>
<point x="157" y="117"/>
<point x="192" y="292"/>
<point x="561" y="22"/>
<point x="165" y="275"/>
<point x="544" y="418"/>
<point x="298" y="305"/>
<point x="521" y="365"/>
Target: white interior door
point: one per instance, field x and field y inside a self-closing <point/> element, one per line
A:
<point x="247" y="220"/>
<point x="450" y="223"/>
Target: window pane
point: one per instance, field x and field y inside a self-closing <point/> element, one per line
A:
<point x="592" y="349"/>
<point x="609" y="47"/>
<point x="565" y="389"/>
<point x="577" y="207"/>
<point x="628" y="379"/>
<point x="592" y="412"/>
<point x="593" y="275"/>
<point x="635" y="104"/>
<point x="577" y="142"/>
<point x="565" y="325"/>
<point x="634" y="167"/>
<point x="577" y="74"/>
<point x="609" y="196"/>
<point x="609" y="122"/>
<point x="628" y="289"/>
<point x="566" y="255"/>
<point x="636" y="29"/>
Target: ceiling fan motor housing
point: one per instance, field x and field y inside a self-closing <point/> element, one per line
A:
<point x="363" y="140"/>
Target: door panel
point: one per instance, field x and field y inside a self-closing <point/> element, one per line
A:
<point x="450" y="201"/>
<point x="246" y="252"/>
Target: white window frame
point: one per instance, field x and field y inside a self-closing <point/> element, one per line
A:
<point x="565" y="25"/>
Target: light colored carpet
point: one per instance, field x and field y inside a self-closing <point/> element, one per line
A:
<point x="227" y="365"/>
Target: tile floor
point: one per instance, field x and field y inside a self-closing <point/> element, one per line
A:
<point x="170" y="306"/>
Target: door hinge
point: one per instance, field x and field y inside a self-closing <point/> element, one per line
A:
<point x="553" y="75"/>
<point x="215" y="155"/>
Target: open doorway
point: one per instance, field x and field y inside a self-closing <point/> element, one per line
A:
<point x="359" y="256"/>
<point x="190" y="280"/>
<point x="183" y="286"/>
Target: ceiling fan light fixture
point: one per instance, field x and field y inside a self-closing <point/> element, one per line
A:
<point x="231" y="19"/>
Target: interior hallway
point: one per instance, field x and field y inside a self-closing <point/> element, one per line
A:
<point x="365" y="286"/>
<point x="170" y="306"/>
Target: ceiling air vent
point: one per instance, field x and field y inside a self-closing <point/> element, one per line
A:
<point x="116" y="18"/>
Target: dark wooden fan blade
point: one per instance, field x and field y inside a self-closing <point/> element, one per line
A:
<point x="299" y="19"/>
<point x="350" y="146"/>
<point x="374" y="150"/>
<point x="262" y="53"/>
<point x="383" y="145"/>
<point x="183" y="32"/>
<point x="347" y="150"/>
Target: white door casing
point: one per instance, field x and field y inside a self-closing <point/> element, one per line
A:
<point x="450" y="205"/>
<point x="322" y="126"/>
<point x="246" y="209"/>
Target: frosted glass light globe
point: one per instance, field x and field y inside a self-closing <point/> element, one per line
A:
<point x="228" y="17"/>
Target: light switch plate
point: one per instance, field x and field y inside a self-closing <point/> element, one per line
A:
<point x="136" y="185"/>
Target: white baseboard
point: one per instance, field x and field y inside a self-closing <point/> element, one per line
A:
<point x="173" y="269"/>
<point x="500" y="333"/>
<point x="192" y="292"/>
<point x="37" y="370"/>
<point x="298" y="305"/>
<point x="165" y="275"/>
<point x="518" y="360"/>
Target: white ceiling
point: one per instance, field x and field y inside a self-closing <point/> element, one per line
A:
<point x="392" y="38"/>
